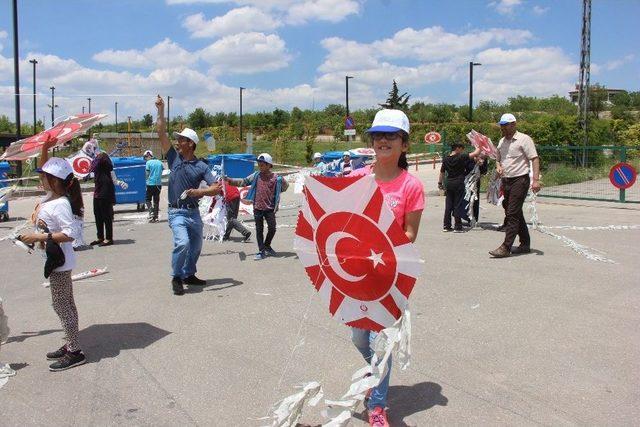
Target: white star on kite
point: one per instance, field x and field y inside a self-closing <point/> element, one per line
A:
<point x="376" y="258"/>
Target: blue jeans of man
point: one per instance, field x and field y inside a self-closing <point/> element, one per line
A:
<point x="186" y="226"/>
<point x="363" y="340"/>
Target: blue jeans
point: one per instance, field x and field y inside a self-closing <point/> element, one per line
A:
<point x="186" y="226"/>
<point x="363" y="341"/>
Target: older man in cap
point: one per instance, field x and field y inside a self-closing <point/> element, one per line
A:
<point x="515" y="151"/>
<point x="153" y="171"/>
<point x="187" y="172"/>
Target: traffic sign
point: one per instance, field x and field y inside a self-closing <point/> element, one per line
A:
<point x="432" y="137"/>
<point x="622" y="175"/>
<point x="349" y="132"/>
<point x="349" y="123"/>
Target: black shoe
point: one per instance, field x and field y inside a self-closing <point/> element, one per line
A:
<point x="106" y="243"/>
<point x="55" y="355"/>
<point x="246" y="237"/>
<point x="522" y="249"/>
<point x="193" y="280"/>
<point x="270" y="252"/>
<point x="176" y="284"/>
<point x="458" y="230"/>
<point x="95" y="242"/>
<point x="447" y="229"/>
<point x="68" y="361"/>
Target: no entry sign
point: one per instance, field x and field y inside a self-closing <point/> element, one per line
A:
<point x="622" y="175"/>
<point x="432" y="137"/>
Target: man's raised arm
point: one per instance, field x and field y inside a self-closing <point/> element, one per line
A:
<point x="161" y="126"/>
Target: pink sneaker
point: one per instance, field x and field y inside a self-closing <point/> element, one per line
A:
<point x="378" y="417"/>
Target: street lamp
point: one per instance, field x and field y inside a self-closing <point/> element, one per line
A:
<point x="83" y="109"/>
<point x="129" y="131"/>
<point x="16" y="77"/>
<point x="116" y="116"/>
<point x="241" y="89"/>
<point x="89" y="99"/>
<point x="34" y="62"/>
<point x="471" y="65"/>
<point x="346" y="83"/>
<point x="53" y="104"/>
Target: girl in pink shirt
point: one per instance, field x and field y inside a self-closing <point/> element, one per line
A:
<point x="404" y="194"/>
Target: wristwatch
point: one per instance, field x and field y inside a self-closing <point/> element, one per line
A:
<point x="49" y="236"/>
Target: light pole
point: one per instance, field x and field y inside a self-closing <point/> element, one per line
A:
<point x="471" y="65"/>
<point x="346" y="83"/>
<point x="129" y="131"/>
<point x="241" y="89"/>
<point x="89" y="99"/>
<point x="53" y="104"/>
<point x="169" y="116"/>
<point x="116" y="116"/>
<point x="16" y="78"/>
<point x="83" y="109"/>
<point x="34" y="62"/>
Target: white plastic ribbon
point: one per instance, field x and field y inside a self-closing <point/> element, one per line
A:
<point x="288" y="411"/>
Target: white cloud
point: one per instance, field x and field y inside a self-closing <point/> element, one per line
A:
<point x="539" y="10"/>
<point x="164" y="54"/>
<point x="617" y="63"/>
<point x="540" y="71"/>
<point x="247" y="53"/>
<point x="321" y="10"/>
<point x="241" y="20"/>
<point x="505" y="7"/>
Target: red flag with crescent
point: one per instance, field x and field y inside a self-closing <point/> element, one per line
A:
<point x="80" y="163"/>
<point x="66" y="129"/>
<point x="483" y="142"/>
<point x="355" y="253"/>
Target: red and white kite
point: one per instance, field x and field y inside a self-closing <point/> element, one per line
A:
<point x="246" y="206"/>
<point x="80" y="163"/>
<point x="64" y="131"/>
<point x="478" y="140"/>
<point x="355" y="253"/>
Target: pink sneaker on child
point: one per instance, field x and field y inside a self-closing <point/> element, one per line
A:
<point x="378" y="417"/>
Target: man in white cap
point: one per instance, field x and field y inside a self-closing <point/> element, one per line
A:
<point x="318" y="163"/>
<point x="187" y="172"/>
<point x="153" y="171"/>
<point x="515" y="151"/>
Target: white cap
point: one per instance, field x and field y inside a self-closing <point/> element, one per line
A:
<point x="57" y="167"/>
<point x="148" y="153"/>
<point x="317" y="155"/>
<point x="266" y="158"/>
<point x="188" y="133"/>
<point x="506" y="119"/>
<point x="390" y="121"/>
<point x="346" y="153"/>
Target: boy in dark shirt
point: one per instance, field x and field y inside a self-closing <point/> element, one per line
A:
<point x="455" y="166"/>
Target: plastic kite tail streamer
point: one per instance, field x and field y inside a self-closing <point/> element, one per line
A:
<point x="356" y="255"/>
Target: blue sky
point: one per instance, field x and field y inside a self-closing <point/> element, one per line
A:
<point x="296" y="52"/>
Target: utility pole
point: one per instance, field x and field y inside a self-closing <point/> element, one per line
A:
<point x="83" y="109"/>
<point x="346" y="83"/>
<point x="116" y="116"/>
<point x="34" y="62"/>
<point x="89" y="99"/>
<point x="241" y="89"/>
<point x="471" y="65"/>
<point x="585" y="75"/>
<point x="16" y="78"/>
<point x="53" y="104"/>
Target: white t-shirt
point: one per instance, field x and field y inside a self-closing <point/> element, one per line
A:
<point x="57" y="216"/>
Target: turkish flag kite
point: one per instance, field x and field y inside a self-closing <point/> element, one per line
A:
<point x="478" y="140"/>
<point x="64" y="131"/>
<point x="80" y="163"/>
<point x="355" y="253"/>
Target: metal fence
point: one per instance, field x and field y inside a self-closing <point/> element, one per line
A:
<point x="583" y="172"/>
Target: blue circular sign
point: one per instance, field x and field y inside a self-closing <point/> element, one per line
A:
<point x="349" y="123"/>
<point x="622" y="175"/>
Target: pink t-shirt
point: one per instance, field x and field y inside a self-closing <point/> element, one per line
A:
<point x="403" y="194"/>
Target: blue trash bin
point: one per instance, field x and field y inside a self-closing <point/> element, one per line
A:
<point x="5" y="167"/>
<point x="132" y="171"/>
<point x="235" y="165"/>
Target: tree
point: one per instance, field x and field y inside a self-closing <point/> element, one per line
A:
<point x="200" y="119"/>
<point x="597" y="99"/>
<point x="147" y="120"/>
<point x="395" y="101"/>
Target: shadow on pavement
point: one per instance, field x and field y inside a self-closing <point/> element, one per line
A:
<point x="18" y="366"/>
<point x="25" y="335"/>
<point x="285" y="255"/>
<point x="191" y="289"/>
<point x="408" y="400"/>
<point x="123" y="241"/>
<point x="106" y="340"/>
